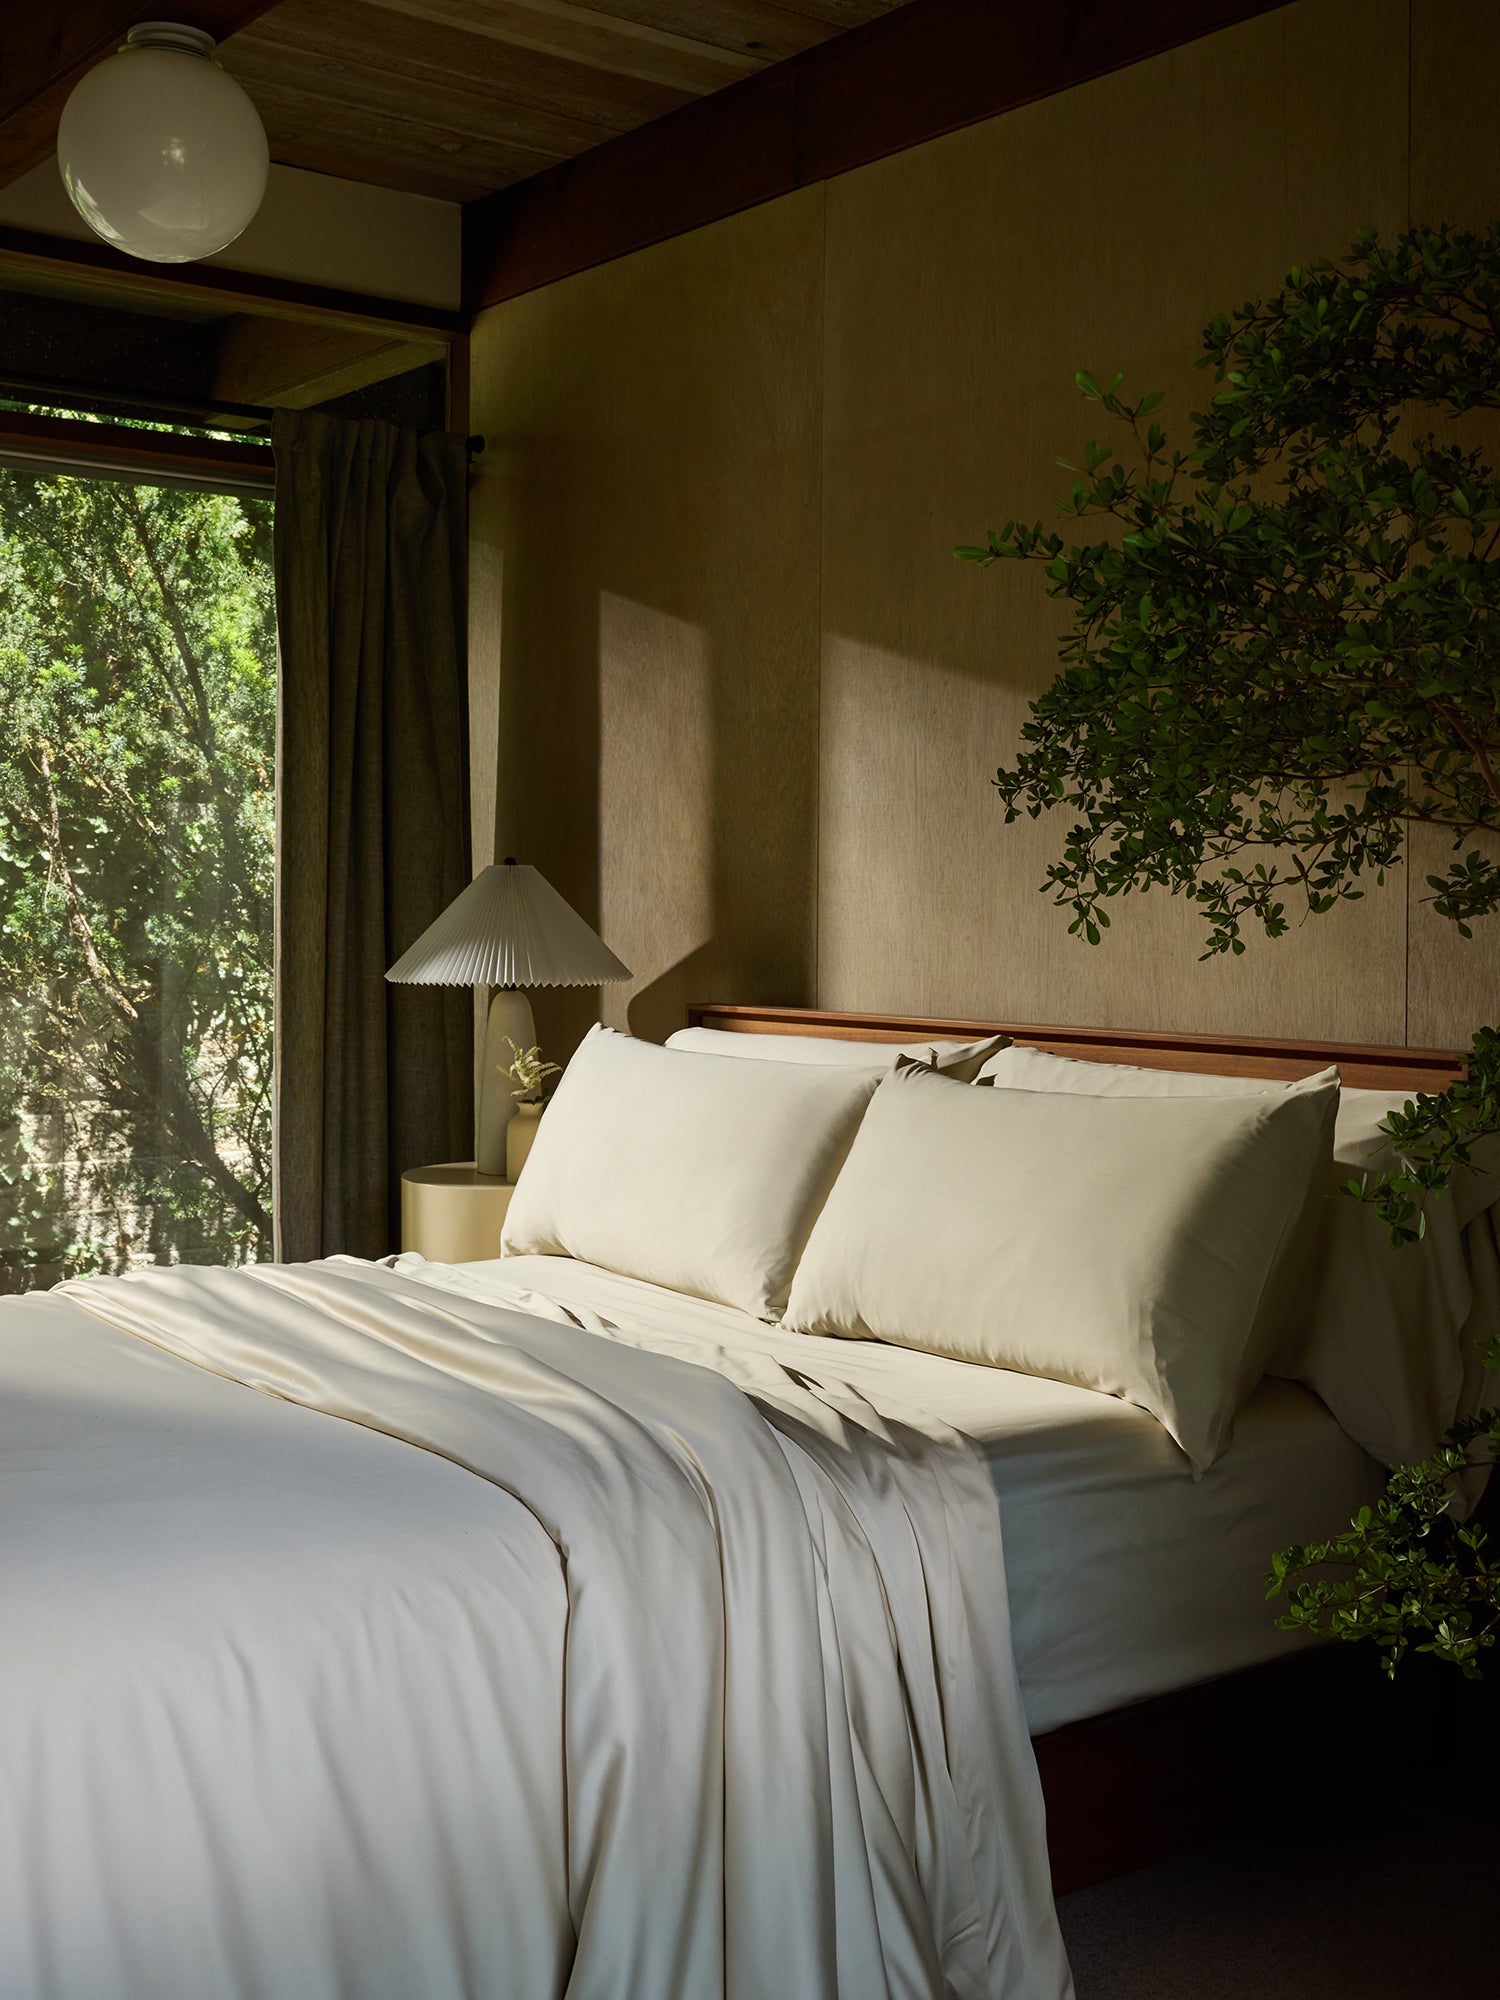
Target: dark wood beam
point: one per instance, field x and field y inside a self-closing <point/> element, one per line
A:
<point x="50" y="43"/>
<point x="926" y="69"/>
<point x="54" y="444"/>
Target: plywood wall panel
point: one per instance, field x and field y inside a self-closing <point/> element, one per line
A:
<point x="650" y="492"/>
<point x="967" y="281"/>
<point x="1455" y="178"/>
<point x="749" y="705"/>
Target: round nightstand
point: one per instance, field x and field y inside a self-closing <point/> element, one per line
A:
<point x="453" y="1214"/>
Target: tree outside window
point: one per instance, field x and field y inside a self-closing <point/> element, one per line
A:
<point x="137" y="812"/>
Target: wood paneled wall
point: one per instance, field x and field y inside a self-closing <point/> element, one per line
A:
<point x="645" y="535"/>
<point x="734" y="695"/>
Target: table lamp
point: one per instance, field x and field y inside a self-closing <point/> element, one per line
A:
<point x="509" y="929"/>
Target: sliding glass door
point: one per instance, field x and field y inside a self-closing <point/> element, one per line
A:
<point x="137" y="813"/>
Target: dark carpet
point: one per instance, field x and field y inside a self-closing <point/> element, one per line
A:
<point x="1396" y="1896"/>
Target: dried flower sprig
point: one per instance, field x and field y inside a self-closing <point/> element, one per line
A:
<point x="528" y="1072"/>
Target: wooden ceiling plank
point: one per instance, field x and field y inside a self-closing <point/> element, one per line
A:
<point x="315" y="153"/>
<point x="49" y="44"/>
<point x="559" y="29"/>
<point x="299" y="117"/>
<point x="429" y="52"/>
<point x="357" y="91"/>
<point x="772" y="29"/>
<point x="843" y="14"/>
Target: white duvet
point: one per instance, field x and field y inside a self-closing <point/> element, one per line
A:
<point x="702" y="1687"/>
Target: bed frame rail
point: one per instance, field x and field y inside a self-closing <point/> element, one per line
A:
<point x="1362" y="1066"/>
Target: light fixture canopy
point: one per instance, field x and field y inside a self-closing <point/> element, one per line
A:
<point x="162" y="153"/>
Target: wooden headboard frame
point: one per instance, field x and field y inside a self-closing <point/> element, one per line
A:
<point x="1224" y="1055"/>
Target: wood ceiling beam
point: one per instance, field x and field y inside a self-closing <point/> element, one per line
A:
<point x="925" y="69"/>
<point x="49" y="44"/>
<point x="209" y="290"/>
<point x="288" y="364"/>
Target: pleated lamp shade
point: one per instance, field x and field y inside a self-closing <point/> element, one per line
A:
<point x="508" y="928"/>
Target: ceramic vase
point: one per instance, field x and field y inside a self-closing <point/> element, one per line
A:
<point x="519" y="1134"/>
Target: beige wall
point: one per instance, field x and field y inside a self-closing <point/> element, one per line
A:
<point x="733" y="693"/>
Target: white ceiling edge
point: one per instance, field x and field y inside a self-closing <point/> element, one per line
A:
<point x="313" y="229"/>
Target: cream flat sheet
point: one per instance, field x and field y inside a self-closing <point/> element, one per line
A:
<point x="659" y="1704"/>
<point x="1126" y="1578"/>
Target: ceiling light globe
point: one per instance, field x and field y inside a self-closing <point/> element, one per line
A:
<point x="162" y="153"/>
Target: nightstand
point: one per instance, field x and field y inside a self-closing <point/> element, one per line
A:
<point x="453" y="1214"/>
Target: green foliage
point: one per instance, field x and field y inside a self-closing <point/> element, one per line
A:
<point x="137" y="802"/>
<point x="1416" y="1578"/>
<point x="1286" y="649"/>
<point x="1284" y="653"/>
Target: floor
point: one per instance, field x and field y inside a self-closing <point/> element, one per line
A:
<point x="1395" y="1898"/>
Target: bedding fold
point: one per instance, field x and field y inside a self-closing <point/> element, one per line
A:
<point x="793" y="1751"/>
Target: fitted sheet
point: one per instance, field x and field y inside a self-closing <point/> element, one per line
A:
<point x="1127" y="1577"/>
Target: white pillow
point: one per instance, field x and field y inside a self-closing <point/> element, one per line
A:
<point x="1386" y="1337"/>
<point x="956" y="1059"/>
<point x="689" y="1171"/>
<point x="1035" y="1069"/>
<point x="1390" y="1337"/>
<point x="1123" y="1244"/>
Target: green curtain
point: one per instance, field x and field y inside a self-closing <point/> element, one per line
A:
<point x="372" y="822"/>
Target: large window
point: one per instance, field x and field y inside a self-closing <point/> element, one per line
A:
<point x="137" y="804"/>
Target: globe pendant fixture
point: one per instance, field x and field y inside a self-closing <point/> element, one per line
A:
<point x="162" y="153"/>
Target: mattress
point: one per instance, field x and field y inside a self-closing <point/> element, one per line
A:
<point x="1127" y="1577"/>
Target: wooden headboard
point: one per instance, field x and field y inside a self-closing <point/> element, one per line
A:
<point x="1223" y="1055"/>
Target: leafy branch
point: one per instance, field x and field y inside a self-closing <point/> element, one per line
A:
<point x="1285" y="652"/>
<point x="1418" y="1580"/>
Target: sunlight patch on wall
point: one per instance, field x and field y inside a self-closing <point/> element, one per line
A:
<point x="930" y="904"/>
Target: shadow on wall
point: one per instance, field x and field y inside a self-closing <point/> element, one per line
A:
<point x="673" y="793"/>
<point x="661" y="868"/>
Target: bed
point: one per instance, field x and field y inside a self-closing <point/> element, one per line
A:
<point x="1178" y="1713"/>
<point x="293" y="1707"/>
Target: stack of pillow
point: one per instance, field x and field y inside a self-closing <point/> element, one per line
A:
<point x="1154" y="1235"/>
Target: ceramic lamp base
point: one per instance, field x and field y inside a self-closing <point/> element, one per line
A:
<point x="510" y="1014"/>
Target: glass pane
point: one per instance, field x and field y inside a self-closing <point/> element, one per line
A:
<point x="137" y="816"/>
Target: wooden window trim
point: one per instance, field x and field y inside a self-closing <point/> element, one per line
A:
<point x="66" y="444"/>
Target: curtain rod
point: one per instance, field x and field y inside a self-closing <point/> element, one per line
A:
<point x="45" y="388"/>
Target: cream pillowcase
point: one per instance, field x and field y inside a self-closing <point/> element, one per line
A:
<point x="1123" y="1244"/>
<point x="1387" y="1338"/>
<point x="1016" y="1068"/>
<point x="960" y="1060"/>
<point x="696" y="1172"/>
